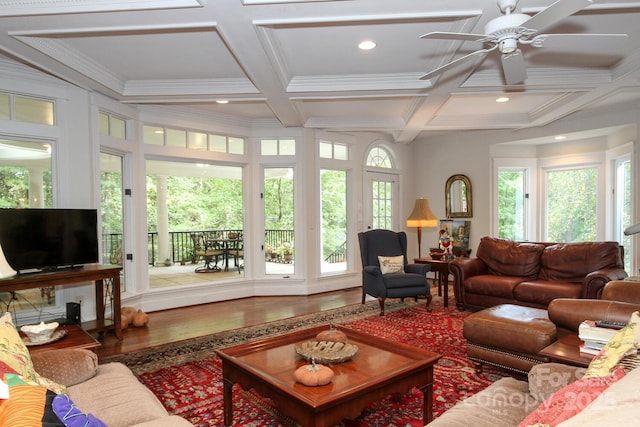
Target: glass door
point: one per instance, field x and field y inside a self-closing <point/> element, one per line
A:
<point x="381" y="201"/>
<point x="112" y="213"/>
<point x="279" y="234"/>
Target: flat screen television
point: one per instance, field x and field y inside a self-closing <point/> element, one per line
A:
<point x="47" y="239"/>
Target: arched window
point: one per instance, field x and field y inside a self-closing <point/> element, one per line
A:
<point x="379" y="157"/>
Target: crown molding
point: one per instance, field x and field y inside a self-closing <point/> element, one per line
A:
<point x="351" y="82"/>
<point x="196" y="87"/>
<point x="57" y="7"/>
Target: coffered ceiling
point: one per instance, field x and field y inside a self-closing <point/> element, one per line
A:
<point x="298" y="62"/>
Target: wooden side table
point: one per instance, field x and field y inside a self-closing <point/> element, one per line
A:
<point x="76" y="338"/>
<point x="567" y="350"/>
<point x="440" y="266"/>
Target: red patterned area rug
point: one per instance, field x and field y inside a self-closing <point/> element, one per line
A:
<point x="193" y="389"/>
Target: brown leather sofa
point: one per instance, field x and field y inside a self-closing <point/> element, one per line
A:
<point x="509" y="336"/>
<point x="533" y="274"/>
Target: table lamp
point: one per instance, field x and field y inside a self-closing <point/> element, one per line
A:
<point x="632" y="230"/>
<point x="421" y="216"/>
<point x="5" y="268"/>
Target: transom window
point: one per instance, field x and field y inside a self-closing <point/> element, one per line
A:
<point x="278" y="147"/>
<point x="379" y="157"/>
<point x="333" y="150"/>
<point x="111" y="125"/>
<point x="193" y="140"/>
<point x="26" y="109"/>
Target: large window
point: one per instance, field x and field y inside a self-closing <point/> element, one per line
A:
<point x="333" y="201"/>
<point x="26" y="182"/>
<point x="571" y="208"/>
<point x="512" y="196"/>
<point x="622" y="207"/>
<point x="184" y="202"/>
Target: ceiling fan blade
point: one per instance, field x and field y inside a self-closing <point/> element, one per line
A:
<point x="453" y="36"/>
<point x="601" y="43"/>
<point x="477" y="54"/>
<point x="554" y="14"/>
<point x="513" y="67"/>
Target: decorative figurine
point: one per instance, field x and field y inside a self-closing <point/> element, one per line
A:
<point x="446" y="243"/>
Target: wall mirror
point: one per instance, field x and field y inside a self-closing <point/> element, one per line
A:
<point x="458" y="197"/>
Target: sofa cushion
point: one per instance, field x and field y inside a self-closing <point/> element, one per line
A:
<point x="542" y="292"/>
<point x="494" y="286"/>
<point x="113" y="389"/>
<point x="66" y="366"/>
<point x="508" y="258"/>
<point x="571" y="262"/>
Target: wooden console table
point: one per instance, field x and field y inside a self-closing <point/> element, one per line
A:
<point x="104" y="276"/>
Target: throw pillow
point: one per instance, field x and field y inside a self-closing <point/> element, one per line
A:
<point x="391" y="264"/>
<point x="15" y="354"/>
<point x="71" y="416"/>
<point x="29" y="404"/>
<point x="66" y="366"/>
<point x="623" y="341"/>
<point x="570" y="400"/>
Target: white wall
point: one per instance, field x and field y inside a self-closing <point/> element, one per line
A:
<point x="469" y="153"/>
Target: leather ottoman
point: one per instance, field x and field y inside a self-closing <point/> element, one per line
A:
<point x="508" y="336"/>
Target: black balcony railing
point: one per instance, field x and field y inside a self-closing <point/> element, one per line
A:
<point x="181" y="244"/>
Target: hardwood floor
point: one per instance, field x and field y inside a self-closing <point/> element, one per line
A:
<point x="188" y="322"/>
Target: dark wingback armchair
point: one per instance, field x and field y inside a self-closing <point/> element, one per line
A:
<point x="410" y="283"/>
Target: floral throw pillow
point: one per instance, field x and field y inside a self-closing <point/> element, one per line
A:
<point x="391" y="264"/>
<point x="570" y="400"/>
<point x="15" y="354"/>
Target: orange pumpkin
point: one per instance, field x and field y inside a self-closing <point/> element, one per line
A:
<point x="140" y="319"/>
<point x="332" y="335"/>
<point x="313" y="375"/>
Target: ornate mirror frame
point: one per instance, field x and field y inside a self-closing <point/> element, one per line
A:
<point x="458" y="197"/>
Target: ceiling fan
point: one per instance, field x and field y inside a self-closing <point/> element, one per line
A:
<point x="506" y="32"/>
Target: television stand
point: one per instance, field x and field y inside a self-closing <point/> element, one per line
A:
<point x="104" y="277"/>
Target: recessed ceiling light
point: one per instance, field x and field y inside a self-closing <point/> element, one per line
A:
<point x="502" y="99"/>
<point x="367" y="45"/>
<point x="559" y="137"/>
<point x="222" y="101"/>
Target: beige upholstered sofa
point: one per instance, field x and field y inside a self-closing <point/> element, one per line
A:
<point x="508" y="401"/>
<point x="110" y="392"/>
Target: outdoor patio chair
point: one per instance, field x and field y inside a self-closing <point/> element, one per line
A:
<point x="208" y="249"/>
<point x="410" y="280"/>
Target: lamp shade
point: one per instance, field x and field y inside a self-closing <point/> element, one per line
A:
<point x="632" y="230"/>
<point x="5" y="268"/>
<point x="421" y="216"/>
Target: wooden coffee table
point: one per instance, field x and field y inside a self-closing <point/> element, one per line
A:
<point x="380" y="368"/>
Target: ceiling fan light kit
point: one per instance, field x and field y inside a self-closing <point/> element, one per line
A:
<point x="505" y="33"/>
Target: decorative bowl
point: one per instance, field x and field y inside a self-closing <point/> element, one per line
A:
<point x="40" y="332"/>
<point x="326" y="351"/>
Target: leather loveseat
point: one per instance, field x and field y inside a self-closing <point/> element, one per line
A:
<point x="534" y="273"/>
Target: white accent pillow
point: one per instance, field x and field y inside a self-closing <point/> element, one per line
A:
<point x="391" y="264"/>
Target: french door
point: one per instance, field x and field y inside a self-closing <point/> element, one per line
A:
<point x="381" y="204"/>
